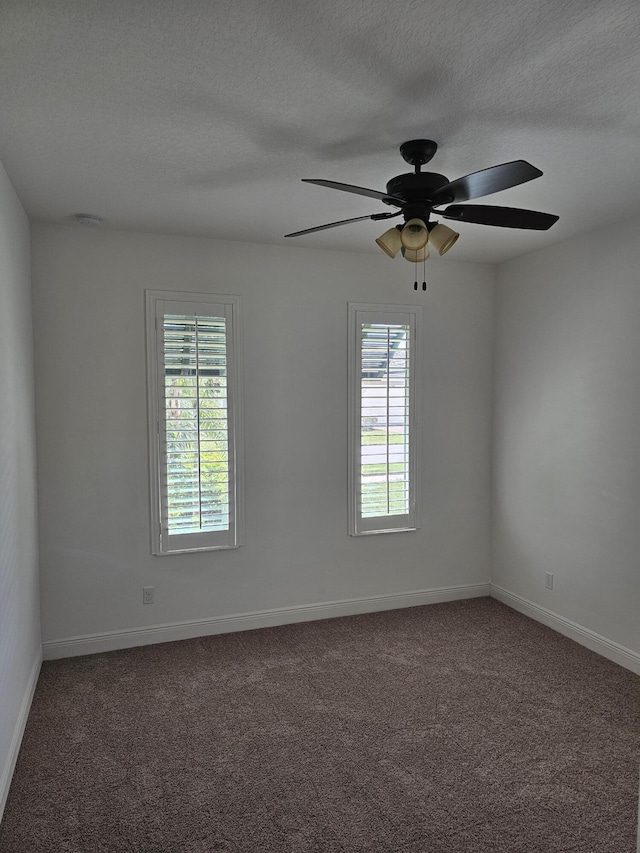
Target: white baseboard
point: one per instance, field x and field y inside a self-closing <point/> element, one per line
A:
<point x="585" y="636"/>
<point x="112" y="640"/>
<point x="16" y="740"/>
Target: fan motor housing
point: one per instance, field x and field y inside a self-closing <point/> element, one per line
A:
<point x="416" y="187"/>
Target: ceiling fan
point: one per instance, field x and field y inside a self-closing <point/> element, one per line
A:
<point x="417" y="195"/>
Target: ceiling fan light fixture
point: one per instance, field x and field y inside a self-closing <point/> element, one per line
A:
<point x="390" y="242"/>
<point x="418" y="194"/>
<point x="414" y="235"/>
<point x="415" y="256"/>
<point x="443" y="238"/>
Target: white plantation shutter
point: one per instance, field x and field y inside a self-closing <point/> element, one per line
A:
<point x="383" y="424"/>
<point x="194" y="415"/>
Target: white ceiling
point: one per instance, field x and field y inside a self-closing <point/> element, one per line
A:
<point x="201" y="116"/>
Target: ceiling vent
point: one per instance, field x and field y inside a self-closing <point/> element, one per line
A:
<point x="87" y="219"/>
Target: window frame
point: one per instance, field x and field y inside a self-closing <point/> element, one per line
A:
<point x="411" y="315"/>
<point x="159" y="303"/>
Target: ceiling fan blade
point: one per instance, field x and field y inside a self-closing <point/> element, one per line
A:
<point x="349" y="188"/>
<point x="374" y="216"/>
<point x="505" y="217"/>
<point x="487" y="181"/>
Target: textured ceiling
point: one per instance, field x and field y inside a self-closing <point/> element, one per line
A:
<point x="200" y="117"/>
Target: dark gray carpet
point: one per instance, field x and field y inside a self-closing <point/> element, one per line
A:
<point x="453" y="728"/>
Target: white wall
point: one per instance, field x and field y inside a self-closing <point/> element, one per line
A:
<point x="19" y="596"/>
<point x="567" y="431"/>
<point x="92" y="429"/>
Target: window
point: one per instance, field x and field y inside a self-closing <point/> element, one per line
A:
<point x="194" y="421"/>
<point x="383" y="423"/>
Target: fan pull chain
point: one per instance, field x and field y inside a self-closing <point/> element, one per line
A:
<point x="424" y="274"/>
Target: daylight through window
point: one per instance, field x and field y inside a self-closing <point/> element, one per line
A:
<point x="195" y="409"/>
<point x="383" y="424"/>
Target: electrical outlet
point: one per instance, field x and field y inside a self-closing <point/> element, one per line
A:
<point x="147" y="594"/>
<point x="548" y="580"/>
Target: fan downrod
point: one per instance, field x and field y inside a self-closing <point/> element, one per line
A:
<point x="417" y="152"/>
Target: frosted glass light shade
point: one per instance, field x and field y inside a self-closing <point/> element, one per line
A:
<point x="416" y="255"/>
<point x="390" y="242"/>
<point x="414" y="235"/>
<point x="442" y="238"/>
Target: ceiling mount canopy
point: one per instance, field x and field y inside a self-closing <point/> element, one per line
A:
<point x="417" y="152"/>
<point x="419" y="195"/>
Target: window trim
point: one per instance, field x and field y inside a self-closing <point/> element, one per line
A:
<point x="207" y="303"/>
<point x="384" y="313"/>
